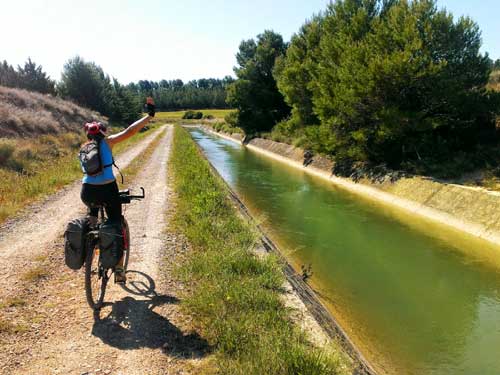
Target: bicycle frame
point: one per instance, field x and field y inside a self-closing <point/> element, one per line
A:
<point x="91" y="240"/>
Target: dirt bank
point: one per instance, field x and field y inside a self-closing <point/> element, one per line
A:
<point x="471" y="210"/>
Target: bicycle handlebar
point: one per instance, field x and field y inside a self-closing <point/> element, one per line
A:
<point x="125" y="196"/>
<point x="138" y="196"/>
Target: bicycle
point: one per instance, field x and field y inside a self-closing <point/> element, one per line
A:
<point x="97" y="276"/>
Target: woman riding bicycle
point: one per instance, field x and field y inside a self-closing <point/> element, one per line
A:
<point x="101" y="189"/>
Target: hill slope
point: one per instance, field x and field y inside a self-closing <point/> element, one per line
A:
<point x="29" y="114"/>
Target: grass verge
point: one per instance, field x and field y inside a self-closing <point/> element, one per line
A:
<point x="33" y="168"/>
<point x="235" y="296"/>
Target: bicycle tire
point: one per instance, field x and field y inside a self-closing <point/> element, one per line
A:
<point x="91" y="274"/>
<point x="126" y="243"/>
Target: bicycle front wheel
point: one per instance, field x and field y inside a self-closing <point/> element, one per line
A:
<point x="96" y="279"/>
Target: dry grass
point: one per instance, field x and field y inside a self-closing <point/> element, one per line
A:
<point x="29" y="114"/>
<point x="12" y="302"/>
<point x="8" y="327"/>
<point x="35" y="274"/>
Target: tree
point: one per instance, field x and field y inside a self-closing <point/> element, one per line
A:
<point x="255" y="94"/>
<point x="30" y="77"/>
<point x="8" y="75"/>
<point x="33" y="78"/>
<point x="88" y="85"/>
<point x="295" y="72"/>
<point x="83" y="82"/>
<point x="175" y="95"/>
<point x="391" y="81"/>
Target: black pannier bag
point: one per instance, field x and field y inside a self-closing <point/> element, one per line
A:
<point x="110" y="244"/>
<point x="74" y="243"/>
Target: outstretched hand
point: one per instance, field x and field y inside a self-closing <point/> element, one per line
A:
<point x="150" y="105"/>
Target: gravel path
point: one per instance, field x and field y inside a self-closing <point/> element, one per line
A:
<point x="139" y="331"/>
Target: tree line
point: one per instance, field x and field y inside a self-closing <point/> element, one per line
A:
<point x="176" y="95"/>
<point x="392" y="82"/>
<point x="29" y="77"/>
<point x="86" y="84"/>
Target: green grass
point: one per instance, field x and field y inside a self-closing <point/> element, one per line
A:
<point x="221" y="126"/>
<point x="41" y="166"/>
<point x="177" y="115"/>
<point x="235" y="296"/>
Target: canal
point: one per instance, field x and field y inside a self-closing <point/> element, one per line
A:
<point x="416" y="298"/>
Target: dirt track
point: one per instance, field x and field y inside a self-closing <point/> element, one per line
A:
<point x="52" y="329"/>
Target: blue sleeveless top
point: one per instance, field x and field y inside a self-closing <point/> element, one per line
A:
<point x="107" y="175"/>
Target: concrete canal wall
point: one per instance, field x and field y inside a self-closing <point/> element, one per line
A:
<point x="475" y="211"/>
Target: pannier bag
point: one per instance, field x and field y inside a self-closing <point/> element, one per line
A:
<point x="74" y="243"/>
<point x="110" y="244"/>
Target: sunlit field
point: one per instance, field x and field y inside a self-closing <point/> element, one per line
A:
<point x="216" y="113"/>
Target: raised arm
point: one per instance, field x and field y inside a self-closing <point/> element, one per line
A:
<point x="129" y="132"/>
<point x="135" y="127"/>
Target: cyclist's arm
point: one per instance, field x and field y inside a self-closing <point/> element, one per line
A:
<point x="129" y="132"/>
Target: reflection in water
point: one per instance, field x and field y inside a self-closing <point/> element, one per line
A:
<point x="415" y="302"/>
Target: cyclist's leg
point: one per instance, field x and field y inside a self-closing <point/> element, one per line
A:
<point x="111" y="199"/>
<point x="114" y="211"/>
<point x="89" y="196"/>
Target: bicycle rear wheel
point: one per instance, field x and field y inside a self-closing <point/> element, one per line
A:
<point x="126" y="243"/>
<point x="96" y="279"/>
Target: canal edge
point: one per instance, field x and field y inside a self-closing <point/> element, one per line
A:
<point x="307" y="295"/>
<point x="374" y="194"/>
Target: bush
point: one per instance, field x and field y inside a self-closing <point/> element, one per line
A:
<point x="6" y="151"/>
<point x="192" y="115"/>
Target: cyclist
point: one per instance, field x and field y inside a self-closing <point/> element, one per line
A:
<point x="102" y="189"/>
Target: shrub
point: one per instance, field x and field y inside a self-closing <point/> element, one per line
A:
<point x="192" y="115"/>
<point x="6" y="151"/>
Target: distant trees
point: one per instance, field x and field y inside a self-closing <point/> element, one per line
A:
<point x="176" y="95"/>
<point x="86" y="84"/>
<point x="255" y="94"/>
<point x="30" y="77"/>
<point x="388" y="81"/>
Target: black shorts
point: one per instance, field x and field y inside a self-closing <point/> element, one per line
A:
<point x="103" y="195"/>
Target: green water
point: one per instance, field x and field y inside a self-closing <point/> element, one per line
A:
<point x="416" y="298"/>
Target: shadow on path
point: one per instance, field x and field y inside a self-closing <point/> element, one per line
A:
<point x="133" y="323"/>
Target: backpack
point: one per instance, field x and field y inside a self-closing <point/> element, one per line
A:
<point x="90" y="158"/>
<point x="110" y="244"/>
<point x="74" y="243"/>
<point x="91" y="161"/>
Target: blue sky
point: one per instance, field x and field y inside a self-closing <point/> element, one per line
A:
<point x="157" y="39"/>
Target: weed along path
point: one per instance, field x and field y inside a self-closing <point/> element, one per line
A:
<point x="46" y="326"/>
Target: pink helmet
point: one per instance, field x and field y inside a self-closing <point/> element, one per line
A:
<point x="94" y="128"/>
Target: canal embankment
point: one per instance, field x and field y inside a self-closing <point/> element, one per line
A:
<point x="471" y="210"/>
<point x="235" y="296"/>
